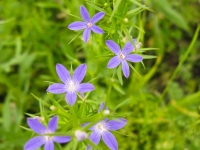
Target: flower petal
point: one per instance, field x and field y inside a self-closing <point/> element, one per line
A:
<point x="36" y="126"/>
<point x="125" y="69"/>
<point x="62" y="139"/>
<point x="78" y="25"/>
<point x="34" y="143"/>
<point x="85" y="87"/>
<point x="49" y="145"/>
<point x="128" y="47"/>
<point x="71" y="98"/>
<point x="134" y="58"/>
<point x="57" y="88"/>
<point x="86" y="34"/>
<point x="95" y="137"/>
<point x="84" y="13"/>
<point x="53" y="123"/>
<point x="110" y="140"/>
<point x="63" y="73"/>
<point x="114" y="62"/>
<point x="116" y="124"/>
<point x="97" y="29"/>
<point x="79" y="73"/>
<point x="98" y="16"/>
<point x="113" y="47"/>
<point x="102" y="106"/>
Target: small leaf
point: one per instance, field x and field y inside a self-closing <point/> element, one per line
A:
<point x="171" y="14"/>
<point x="119" y="74"/>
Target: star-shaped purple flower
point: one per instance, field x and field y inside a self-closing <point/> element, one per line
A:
<point x="88" y="24"/>
<point x="103" y="128"/>
<point x="70" y="85"/>
<point x="122" y="56"/>
<point x="43" y="138"/>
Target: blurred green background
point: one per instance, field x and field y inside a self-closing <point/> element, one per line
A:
<point x="34" y="37"/>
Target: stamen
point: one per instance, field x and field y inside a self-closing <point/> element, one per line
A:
<point x="122" y="56"/>
<point x="101" y="127"/>
<point x="72" y="86"/>
<point x="47" y="137"/>
<point x="89" y="24"/>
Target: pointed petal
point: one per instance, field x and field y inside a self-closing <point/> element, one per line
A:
<point x="98" y="16"/>
<point x="71" y="98"/>
<point x="102" y="106"/>
<point x="57" y="88"/>
<point x="36" y="126"/>
<point x="116" y="124"/>
<point x="113" y="47"/>
<point x="53" y="123"/>
<point x="49" y="145"/>
<point x="34" y="143"/>
<point x="86" y="34"/>
<point x="79" y="73"/>
<point x="128" y="47"/>
<point x="134" y="58"/>
<point x="97" y="29"/>
<point x="85" y="87"/>
<point x="78" y="25"/>
<point x="110" y="140"/>
<point x="84" y="13"/>
<point x="114" y="62"/>
<point x="95" y="137"/>
<point x="61" y="139"/>
<point x="89" y="147"/>
<point x="125" y="69"/>
<point x="63" y="73"/>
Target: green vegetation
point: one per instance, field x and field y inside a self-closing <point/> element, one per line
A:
<point x="161" y="97"/>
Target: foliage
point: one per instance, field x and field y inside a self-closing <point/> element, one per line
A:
<point x="161" y="104"/>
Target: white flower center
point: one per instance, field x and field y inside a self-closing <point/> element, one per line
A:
<point x="89" y="24"/>
<point x="47" y="137"/>
<point x="122" y="56"/>
<point x="101" y="127"/>
<point x="71" y="86"/>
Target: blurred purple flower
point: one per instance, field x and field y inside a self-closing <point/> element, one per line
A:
<point x="71" y="84"/>
<point x="122" y="56"/>
<point x="88" y="24"/>
<point x="44" y="139"/>
<point x="101" y="129"/>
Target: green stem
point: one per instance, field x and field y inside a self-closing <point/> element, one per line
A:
<point x="183" y="58"/>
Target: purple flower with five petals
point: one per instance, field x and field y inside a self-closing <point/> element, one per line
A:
<point x="122" y="56"/>
<point x="103" y="128"/>
<point x="44" y="138"/>
<point x="88" y="24"/>
<point x="71" y="84"/>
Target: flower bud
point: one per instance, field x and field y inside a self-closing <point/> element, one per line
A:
<point x="52" y="107"/>
<point x="81" y="135"/>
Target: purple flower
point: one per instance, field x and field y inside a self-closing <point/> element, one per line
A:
<point x="88" y="24"/>
<point x="71" y="84"/>
<point x="122" y="56"/>
<point x="103" y="128"/>
<point x="44" y="139"/>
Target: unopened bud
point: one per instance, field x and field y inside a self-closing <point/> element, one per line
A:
<point x="52" y="107"/>
<point x="126" y="20"/>
<point x="106" y="112"/>
<point x="81" y="135"/>
<point x="40" y="119"/>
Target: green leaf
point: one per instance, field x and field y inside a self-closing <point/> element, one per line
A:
<point x="171" y="14"/>
<point x="148" y="56"/>
<point x="119" y="74"/>
<point x="118" y="89"/>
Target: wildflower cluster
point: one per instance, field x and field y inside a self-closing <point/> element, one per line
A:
<point x="98" y="125"/>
